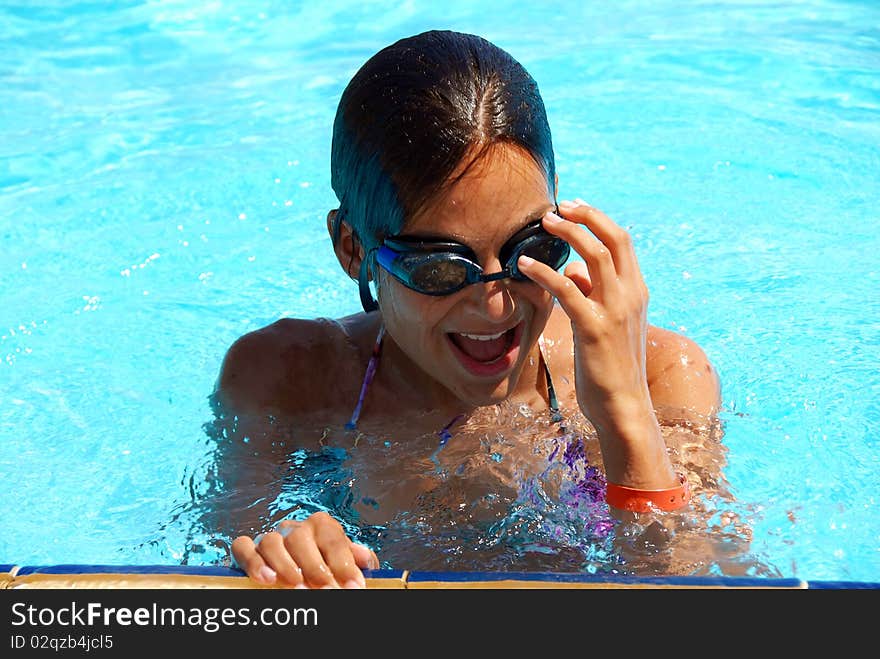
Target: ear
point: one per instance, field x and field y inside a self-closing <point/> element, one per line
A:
<point x="348" y="249"/>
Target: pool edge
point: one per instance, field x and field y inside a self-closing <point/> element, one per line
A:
<point x="69" y="576"/>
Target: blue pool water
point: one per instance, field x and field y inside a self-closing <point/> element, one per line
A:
<point x="164" y="178"/>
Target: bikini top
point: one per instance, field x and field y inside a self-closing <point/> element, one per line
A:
<point x="444" y="432"/>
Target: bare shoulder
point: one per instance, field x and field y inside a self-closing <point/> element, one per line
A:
<point x="285" y="367"/>
<point x="681" y="376"/>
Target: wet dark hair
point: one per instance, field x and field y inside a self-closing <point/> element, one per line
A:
<point x="410" y="115"/>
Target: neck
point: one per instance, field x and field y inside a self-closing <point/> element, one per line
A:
<point x="414" y="388"/>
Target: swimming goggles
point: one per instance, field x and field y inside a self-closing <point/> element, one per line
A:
<point x="438" y="267"/>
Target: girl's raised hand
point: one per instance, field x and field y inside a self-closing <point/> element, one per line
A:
<point x="606" y="299"/>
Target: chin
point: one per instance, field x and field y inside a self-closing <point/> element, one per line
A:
<point x="484" y="397"/>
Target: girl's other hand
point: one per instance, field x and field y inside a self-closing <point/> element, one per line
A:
<point x="314" y="553"/>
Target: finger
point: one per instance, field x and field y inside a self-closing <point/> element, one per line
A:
<point x="336" y="549"/>
<point x="288" y="526"/>
<point x="578" y="273"/>
<point x="274" y="552"/>
<point x="597" y="256"/>
<point x="244" y="553"/>
<point x="364" y="557"/>
<point x="572" y="298"/>
<point x="612" y="235"/>
<point x="315" y="571"/>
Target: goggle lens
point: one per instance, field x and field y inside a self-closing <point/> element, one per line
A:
<point x="547" y="249"/>
<point x="434" y="274"/>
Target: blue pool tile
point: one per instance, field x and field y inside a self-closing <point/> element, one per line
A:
<point x="213" y="571"/>
<point x="551" y="578"/>
<point x="194" y="570"/>
<point x="843" y="585"/>
<point x="384" y="574"/>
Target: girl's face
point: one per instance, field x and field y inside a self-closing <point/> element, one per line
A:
<point x="475" y="342"/>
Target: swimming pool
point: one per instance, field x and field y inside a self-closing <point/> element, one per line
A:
<point x="164" y="178"/>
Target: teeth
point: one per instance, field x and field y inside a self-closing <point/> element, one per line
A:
<point x="482" y="337"/>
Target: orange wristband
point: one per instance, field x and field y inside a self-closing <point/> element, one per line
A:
<point x="641" y="501"/>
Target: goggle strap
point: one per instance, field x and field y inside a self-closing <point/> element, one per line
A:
<point x="367" y="301"/>
<point x="495" y="276"/>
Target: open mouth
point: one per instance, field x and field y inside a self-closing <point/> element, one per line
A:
<point x="487" y="354"/>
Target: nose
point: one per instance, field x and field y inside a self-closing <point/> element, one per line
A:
<point x="492" y="300"/>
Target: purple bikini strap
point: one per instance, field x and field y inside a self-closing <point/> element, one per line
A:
<point x="368" y="378"/>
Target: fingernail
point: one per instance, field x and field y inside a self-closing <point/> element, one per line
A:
<point x="352" y="584"/>
<point x="581" y="202"/>
<point x="567" y="205"/>
<point x="525" y="260"/>
<point x="552" y="218"/>
<point x="267" y="574"/>
<point x="300" y="586"/>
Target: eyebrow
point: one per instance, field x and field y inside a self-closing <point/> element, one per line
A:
<point x="530" y="218"/>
